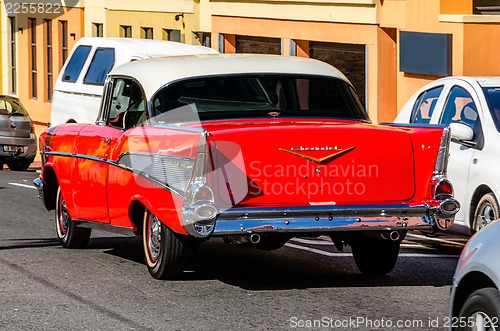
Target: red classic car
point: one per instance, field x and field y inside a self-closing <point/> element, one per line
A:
<point x="253" y="149"/>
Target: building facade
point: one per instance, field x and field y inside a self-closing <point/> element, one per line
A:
<point x="387" y="48"/>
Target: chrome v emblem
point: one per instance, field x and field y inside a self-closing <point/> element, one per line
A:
<point x="323" y="160"/>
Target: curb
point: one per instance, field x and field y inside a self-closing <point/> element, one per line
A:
<point x="36" y="165"/>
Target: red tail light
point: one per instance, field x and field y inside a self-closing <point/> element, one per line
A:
<point x="204" y="194"/>
<point x="442" y="189"/>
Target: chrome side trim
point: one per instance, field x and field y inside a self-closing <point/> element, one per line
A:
<point x="441" y="166"/>
<point x="118" y="165"/>
<point x="105" y="227"/>
<point x="180" y="128"/>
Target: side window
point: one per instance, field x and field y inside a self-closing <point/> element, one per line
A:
<point x="101" y="65"/>
<point x="424" y="106"/>
<point x="75" y="64"/>
<point x="459" y="108"/>
<point x="128" y="104"/>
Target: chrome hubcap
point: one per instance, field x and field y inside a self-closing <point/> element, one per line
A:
<point x="63" y="217"/>
<point x="154" y="238"/>
<point x="485" y="216"/>
<point x="481" y="322"/>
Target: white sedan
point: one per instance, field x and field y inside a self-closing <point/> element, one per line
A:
<point x="471" y="106"/>
<point x="475" y="298"/>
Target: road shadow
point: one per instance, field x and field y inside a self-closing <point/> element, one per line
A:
<point x="10" y="244"/>
<point x="287" y="268"/>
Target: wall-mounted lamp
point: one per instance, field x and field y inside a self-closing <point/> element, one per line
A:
<point x="178" y="16"/>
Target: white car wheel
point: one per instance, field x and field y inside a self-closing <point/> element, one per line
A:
<point x="486" y="212"/>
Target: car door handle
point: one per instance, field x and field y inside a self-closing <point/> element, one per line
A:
<point x="106" y="140"/>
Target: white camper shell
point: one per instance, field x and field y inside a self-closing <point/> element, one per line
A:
<point x="79" y="86"/>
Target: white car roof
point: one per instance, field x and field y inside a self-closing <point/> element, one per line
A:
<point x="488" y="81"/>
<point x="483" y="81"/>
<point x="142" y="48"/>
<point x="157" y="72"/>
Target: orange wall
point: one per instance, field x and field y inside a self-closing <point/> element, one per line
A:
<point x="481" y="52"/>
<point x="318" y="31"/>
<point x="456" y="7"/>
<point x="39" y="108"/>
<point x="387" y="75"/>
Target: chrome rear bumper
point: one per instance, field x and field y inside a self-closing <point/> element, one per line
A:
<point x="325" y="219"/>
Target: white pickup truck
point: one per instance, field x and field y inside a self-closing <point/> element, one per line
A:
<point x="79" y="86"/>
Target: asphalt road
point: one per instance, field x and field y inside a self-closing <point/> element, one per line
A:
<point x="307" y="285"/>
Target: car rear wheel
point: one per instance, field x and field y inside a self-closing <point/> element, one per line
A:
<point x="481" y="310"/>
<point x="69" y="235"/>
<point x="487" y="211"/>
<point x="19" y="165"/>
<point x="165" y="251"/>
<point x="375" y="257"/>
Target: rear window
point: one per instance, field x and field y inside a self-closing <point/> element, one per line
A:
<point x="76" y="63"/>
<point x="101" y="65"/>
<point x="11" y="106"/>
<point x="235" y="96"/>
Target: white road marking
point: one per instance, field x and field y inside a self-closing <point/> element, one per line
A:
<point x="329" y="243"/>
<point x="313" y="242"/>
<point x="321" y="252"/>
<point x="433" y="239"/>
<point x="23" y="185"/>
<point x="417" y="246"/>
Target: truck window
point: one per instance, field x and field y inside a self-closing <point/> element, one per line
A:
<point x="101" y="65"/>
<point x="76" y="63"/>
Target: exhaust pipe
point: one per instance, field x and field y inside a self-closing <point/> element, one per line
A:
<point x="255" y="238"/>
<point x="449" y="207"/>
<point x="393" y="235"/>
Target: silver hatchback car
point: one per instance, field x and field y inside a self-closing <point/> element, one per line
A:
<point x="475" y="295"/>
<point x="18" y="143"/>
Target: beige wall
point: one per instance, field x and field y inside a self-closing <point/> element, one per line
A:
<point x="156" y="14"/>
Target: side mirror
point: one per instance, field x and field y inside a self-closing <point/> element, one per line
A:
<point x="462" y="133"/>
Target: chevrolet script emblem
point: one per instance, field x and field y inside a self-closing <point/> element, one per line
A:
<point x="324" y="160"/>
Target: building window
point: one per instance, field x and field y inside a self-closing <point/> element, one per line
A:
<point x="48" y="40"/>
<point x="204" y="38"/>
<point x="97" y="30"/>
<point x="12" y="32"/>
<point x="147" y="33"/>
<point x="125" y="31"/>
<point x="172" y="35"/>
<point x="63" y="25"/>
<point x="32" y="29"/>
